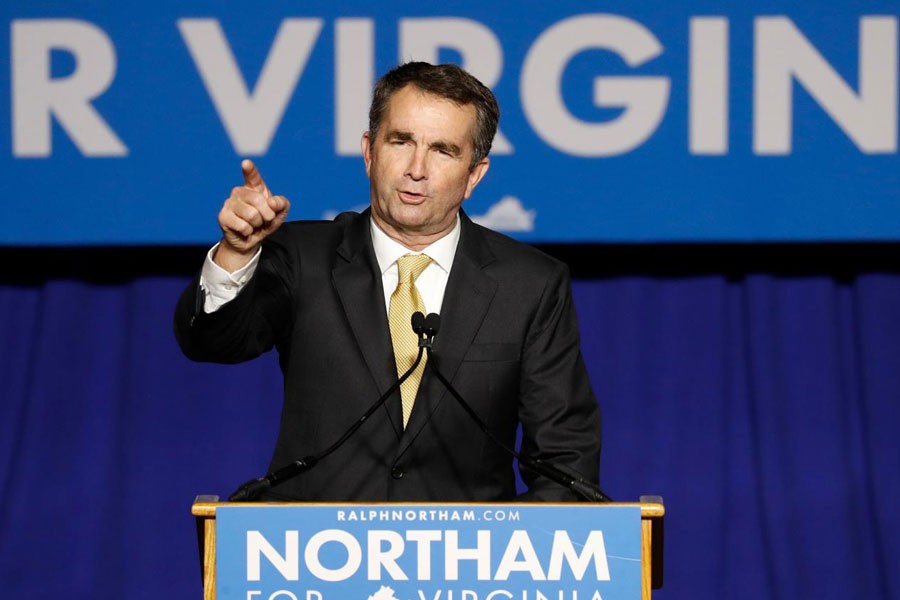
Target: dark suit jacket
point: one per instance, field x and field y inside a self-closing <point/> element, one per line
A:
<point x="508" y="342"/>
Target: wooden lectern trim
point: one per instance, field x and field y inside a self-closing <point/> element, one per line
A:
<point x="205" y="506"/>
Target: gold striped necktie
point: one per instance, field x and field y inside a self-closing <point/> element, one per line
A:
<point x="404" y="302"/>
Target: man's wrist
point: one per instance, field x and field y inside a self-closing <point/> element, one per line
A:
<point x="230" y="258"/>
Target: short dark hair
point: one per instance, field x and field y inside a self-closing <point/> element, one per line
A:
<point x="447" y="81"/>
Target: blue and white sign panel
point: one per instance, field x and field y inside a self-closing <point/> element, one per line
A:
<point x="666" y="120"/>
<point x="428" y="552"/>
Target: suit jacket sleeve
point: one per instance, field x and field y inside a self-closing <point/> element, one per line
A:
<point x="249" y="325"/>
<point x="558" y="411"/>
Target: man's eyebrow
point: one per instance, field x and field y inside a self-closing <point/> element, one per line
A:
<point x="404" y="136"/>
<point x="448" y="147"/>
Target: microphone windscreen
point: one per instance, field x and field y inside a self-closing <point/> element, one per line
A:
<point x="432" y="324"/>
<point x="418" y="322"/>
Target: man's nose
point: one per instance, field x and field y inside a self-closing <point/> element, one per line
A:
<point x="418" y="165"/>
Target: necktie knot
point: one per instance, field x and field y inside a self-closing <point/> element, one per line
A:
<point x="411" y="266"/>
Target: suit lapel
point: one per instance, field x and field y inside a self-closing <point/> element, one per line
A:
<point x="357" y="279"/>
<point x="466" y="301"/>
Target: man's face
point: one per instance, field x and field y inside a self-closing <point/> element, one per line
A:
<point x="418" y="165"/>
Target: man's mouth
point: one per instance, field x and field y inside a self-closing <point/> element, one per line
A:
<point x="412" y="197"/>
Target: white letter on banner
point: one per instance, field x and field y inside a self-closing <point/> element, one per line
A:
<point x="644" y="98"/>
<point x="520" y="543"/>
<point x="423" y="539"/>
<point x="783" y="54"/>
<point x="594" y="548"/>
<point x="354" y="66"/>
<point x="36" y="96"/>
<point x="480" y="553"/>
<point x="288" y="565"/>
<point x="380" y="557"/>
<point x="250" y="118"/>
<point x="709" y="85"/>
<point x="480" y="51"/>
<point x="350" y="544"/>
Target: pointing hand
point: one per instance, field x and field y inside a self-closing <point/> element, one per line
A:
<point x="250" y="214"/>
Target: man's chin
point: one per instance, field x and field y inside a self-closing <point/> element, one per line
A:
<point x="411" y="217"/>
<point x="413" y="220"/>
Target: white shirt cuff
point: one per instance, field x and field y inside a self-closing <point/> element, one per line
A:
<point x="220" y="286"/>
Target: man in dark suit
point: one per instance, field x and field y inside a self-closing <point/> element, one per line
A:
<point x="323" y="294"/>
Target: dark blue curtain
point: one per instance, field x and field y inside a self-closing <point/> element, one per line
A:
<point x="764" y="408"/>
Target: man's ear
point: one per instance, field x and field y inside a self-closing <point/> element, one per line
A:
<point x="475" y="175"/>
<point x="366" y="148"/>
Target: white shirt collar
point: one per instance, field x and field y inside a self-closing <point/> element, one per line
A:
<point x="441" y="252"/>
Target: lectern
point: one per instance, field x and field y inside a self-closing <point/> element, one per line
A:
<point x="262" y="551"/>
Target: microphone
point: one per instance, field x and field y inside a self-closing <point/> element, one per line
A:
<point x="418" y="323"/>
<point x="428" y="329"/>
<point x="576" y="483"/>
<point x="253" y="489"/>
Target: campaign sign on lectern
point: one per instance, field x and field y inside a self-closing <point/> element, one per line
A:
<point x="428" y="552"/>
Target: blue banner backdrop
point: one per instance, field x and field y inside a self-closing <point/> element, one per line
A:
<point x="124" y="123"/>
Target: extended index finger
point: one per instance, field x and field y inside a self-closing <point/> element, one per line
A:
<point x="252" y="178"/>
